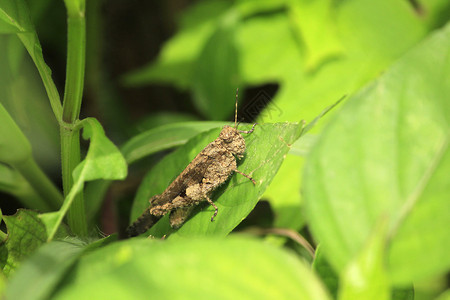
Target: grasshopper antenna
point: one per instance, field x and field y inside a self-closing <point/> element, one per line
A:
<point x="235" y="111"/>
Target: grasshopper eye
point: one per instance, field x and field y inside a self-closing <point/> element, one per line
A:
<point x="228" y="139"/>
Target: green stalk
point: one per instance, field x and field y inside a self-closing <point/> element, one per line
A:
<point x="76" y="48"/>
<point x="73" y="92"/>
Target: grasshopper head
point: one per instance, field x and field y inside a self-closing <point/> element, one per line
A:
<point x="232" y="140"/>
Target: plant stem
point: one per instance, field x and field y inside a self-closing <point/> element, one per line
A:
<point x="73" y="92"/>
<point x="70" y="155"/>
<point x="76" y="47"/>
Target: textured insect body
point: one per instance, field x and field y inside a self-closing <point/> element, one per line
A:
<point x="207" y="171"/>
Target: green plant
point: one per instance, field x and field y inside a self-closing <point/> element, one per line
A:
<point x="373" y="179"/>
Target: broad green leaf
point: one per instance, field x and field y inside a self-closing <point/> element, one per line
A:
<point x="386" y="153"/>
<point x="15" y="18"/>
<point x="143" y="268"/>
<point x="161" y="118"/>
<point x="284" y="194"/>
<point x="365" y="277"/>
<point x="201" y="13"/>
<point x="23" y="96"/>
<point x="2" y="284"/>
<point x="356" y="63"/>
<point x="26" y="232"/>
<point x="361" y="60"/>
<point x="434" y="12"/>
<point x="175" y="62"/>
<point x="317" y="28"/>
<point x="14" y="146"/>
<point x="382" y="29"/>
<point x="303" y="146"/>
<point x="261" y="56"/>
<point x="284" y="199"/>
<point x="15" y="52"/>
<point x="103" y="161"/>
<point x="15" y="151"/>
<point x="11" y="60"/>
<point x="13" y="183"/>
<point x="408" y="293"/>
<point x="162" y="138"/>
<point x="216" y="74"/>
<point x="38" y="276"/>
<point x="444" y="296"/>
<point x="266" y="148"/>
<point x="326" y="273"/>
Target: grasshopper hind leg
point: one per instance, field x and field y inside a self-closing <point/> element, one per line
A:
<point x="142" y="224"/>
<point x="215" y="208"/>
<point x="178" y="216"/>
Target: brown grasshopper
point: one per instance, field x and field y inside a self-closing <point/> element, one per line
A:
<point x="207" y="171"/>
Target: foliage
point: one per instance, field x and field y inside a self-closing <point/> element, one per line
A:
<point x="369" y="181"/>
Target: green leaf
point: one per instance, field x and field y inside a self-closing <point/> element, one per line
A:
<point x="340" y="67"/>
<point x="103" y="161"/>
<point x="261" y="57"/>
<point x="26" y="232"/>
<point x="282" y="194"/>
<point x="161" y="118"/>
<point x="14" y="146"/>
<point x="39" y="276"/>
<point x="216" y="73"/>
<point x="15" y="18"/>
<point x="434" y="12"/>
<point x="247" y="269"/>
<point x="361" y="59"/>
<point x="162" y="138"/>
<point x="15" y="150"/>
<point x="366" y="277"/>
<point x="444" y="296"/>
<point x="286" y="202"/>
<point x="175" y="62"/>
<point x="386" y="153"/>
<point x="13" y="183"/>
<point x="22" y="95"/>
<point x="382" y="30"/>
<point x="325" y="272"/>
<point x="2" y="284"/>
<point x="266" y="148"/>
<point x="405" y="293"/>
<point x="317" y="28"/>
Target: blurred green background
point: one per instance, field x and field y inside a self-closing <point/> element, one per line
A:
<point x="151" y="63"/>
<point x="156" y="62"/>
